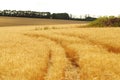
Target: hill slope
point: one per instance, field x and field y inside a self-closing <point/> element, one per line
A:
<point x="17" y="21"/>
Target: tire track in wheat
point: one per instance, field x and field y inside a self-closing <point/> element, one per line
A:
<point x="71" y="71"/>
<point x="75" y="48"/>
<point x="57" y="62"/>
<point x="88" y="51"/>
<point x="106" y="46"/>
<point x="69" y="53"/>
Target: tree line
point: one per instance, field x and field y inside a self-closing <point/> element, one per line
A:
<point x="35" y="14"/>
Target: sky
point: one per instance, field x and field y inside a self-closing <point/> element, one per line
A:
<point x="75" y="7"/>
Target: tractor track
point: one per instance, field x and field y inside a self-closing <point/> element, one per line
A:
<point x="109" y="48"/>
<point x="64" y="46"/>
<point x="73" y="67"/>
<point x="71" y="54"/>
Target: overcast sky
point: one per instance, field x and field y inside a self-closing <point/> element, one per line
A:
<point x="75" y="7"/>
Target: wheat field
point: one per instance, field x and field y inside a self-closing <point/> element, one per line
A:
<point x="59" y="52"/>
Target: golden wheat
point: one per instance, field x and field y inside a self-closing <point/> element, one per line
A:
<point x="59" y="52"/>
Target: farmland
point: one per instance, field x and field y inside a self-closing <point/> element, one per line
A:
<point x="19" y="21"/>
<point x="33" y="49"/>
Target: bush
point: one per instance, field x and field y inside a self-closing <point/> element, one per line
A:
<point x="110" y="21"/>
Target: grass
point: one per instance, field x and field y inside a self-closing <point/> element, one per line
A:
<point x="64" y="53"/>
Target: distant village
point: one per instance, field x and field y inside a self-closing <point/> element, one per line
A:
<point x="46" y="15"/>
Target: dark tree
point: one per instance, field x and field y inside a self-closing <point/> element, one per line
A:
<point x="60" y="16"/>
